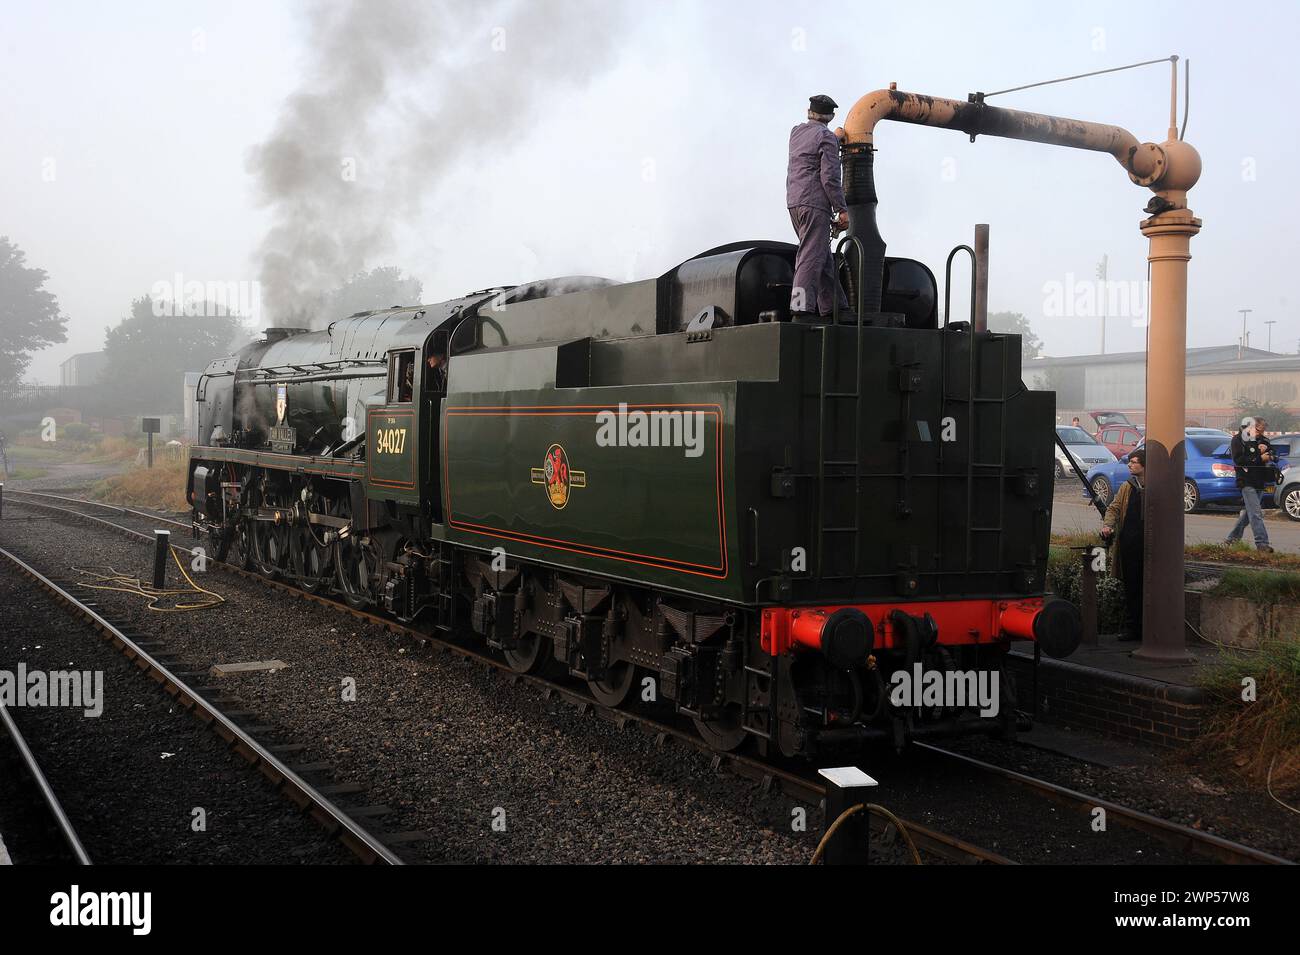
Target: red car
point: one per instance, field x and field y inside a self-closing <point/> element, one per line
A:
<point x="1116" y="432"/>
<point x="1120" y="439"/>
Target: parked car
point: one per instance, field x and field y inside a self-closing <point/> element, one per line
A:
<point x="1083" y="447"/>
<point x="1105" y="419"/>
<point x="1120" y="438"/>
<point x="1209" y="474"/>
<point x="1288" y="489"/>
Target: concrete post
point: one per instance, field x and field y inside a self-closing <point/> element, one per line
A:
<point x="161" y="548"/>
<point x="846" y="787"/>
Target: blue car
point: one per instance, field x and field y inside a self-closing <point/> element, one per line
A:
<point x="1210" y="475"/>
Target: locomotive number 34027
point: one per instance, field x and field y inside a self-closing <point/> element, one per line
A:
<point x="390" y="440"/>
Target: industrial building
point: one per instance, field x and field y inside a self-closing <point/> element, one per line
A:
<point x="82" y="369"/>
<point x="1216" y="377"/>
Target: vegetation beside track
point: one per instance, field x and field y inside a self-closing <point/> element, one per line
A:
<point x="1259" y="586"/>
<point x="160" y="488"/>
<point x="1239" y="553"/>
<point x="1261" y="736"/>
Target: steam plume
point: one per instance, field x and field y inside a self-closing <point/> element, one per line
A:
<point x="397" y="93"/>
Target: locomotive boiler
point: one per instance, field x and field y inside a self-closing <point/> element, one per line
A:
<point x="665" y="484"/>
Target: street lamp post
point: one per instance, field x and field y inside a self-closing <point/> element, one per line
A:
<point x="1101" y="274"/>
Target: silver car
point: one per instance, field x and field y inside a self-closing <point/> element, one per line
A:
<point x="1287" y="495"/>
<point x="1086" y="450"/>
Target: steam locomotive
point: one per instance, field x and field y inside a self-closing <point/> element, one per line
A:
<point x="665" y="485"/>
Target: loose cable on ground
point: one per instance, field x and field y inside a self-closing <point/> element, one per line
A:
<point x="124" y="583"/>
<point x="869" y="807"/>
<point x="1268" y="783"/>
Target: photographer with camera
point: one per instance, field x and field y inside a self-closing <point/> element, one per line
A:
<point x="1256" y="465"/>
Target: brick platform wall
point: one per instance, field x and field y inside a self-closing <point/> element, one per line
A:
<point x="1112" y="704"/>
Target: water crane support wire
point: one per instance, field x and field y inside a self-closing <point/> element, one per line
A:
<point x="1080" y="76"/>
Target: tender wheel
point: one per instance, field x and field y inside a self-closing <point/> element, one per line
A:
<point x="615" y="688"/>
<point x="1191" y="497"/>
<point x="531" y="655"/>
<point x="1101" y="489"/>
<point x="1291" y="503"/>
<point x="724" y="733"/>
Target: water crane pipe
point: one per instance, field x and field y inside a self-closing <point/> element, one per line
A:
<point x="977" y="118"/>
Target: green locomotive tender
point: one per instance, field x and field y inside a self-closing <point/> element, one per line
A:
<point x="664" y="479"/>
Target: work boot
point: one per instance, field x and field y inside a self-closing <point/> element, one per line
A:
<point x="1263" y="548"/>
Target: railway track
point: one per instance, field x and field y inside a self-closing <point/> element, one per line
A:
<point x="115" y="508"/>
<point x="48" y="798"/>
<point x="803" y="785"/>
<point x="1172" y="834"/>
<point x="364" y="845"/>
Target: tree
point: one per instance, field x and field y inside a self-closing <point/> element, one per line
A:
<point x="29" y="315"/>
<point x="148" y="353"/>
<point x="1013" y="323"/>
<point x="1277" y="416"/>
<point x="378" y="288"/>
<point x="1066" y="382"/>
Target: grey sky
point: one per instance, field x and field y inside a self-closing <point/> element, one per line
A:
<point x="149" y="112"/>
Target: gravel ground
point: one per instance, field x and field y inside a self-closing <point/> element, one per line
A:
<point x="130" y="779"/>
<point x="447" y="744"/>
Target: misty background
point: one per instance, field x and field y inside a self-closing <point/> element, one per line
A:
<point x="462" y="146"/>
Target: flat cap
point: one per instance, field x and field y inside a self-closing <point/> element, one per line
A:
<point x="821" y="103"/>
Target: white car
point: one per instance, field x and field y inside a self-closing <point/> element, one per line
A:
<point x="1084" y="448"/>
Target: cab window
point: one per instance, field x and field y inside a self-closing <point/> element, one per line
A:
<point x="401" y="377"/>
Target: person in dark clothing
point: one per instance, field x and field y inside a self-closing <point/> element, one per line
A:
<point x="1252" y="453"/>
<point x="436" y="378"/>
<point x="813" y="195"/>
<point x="1123" y="528"/>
